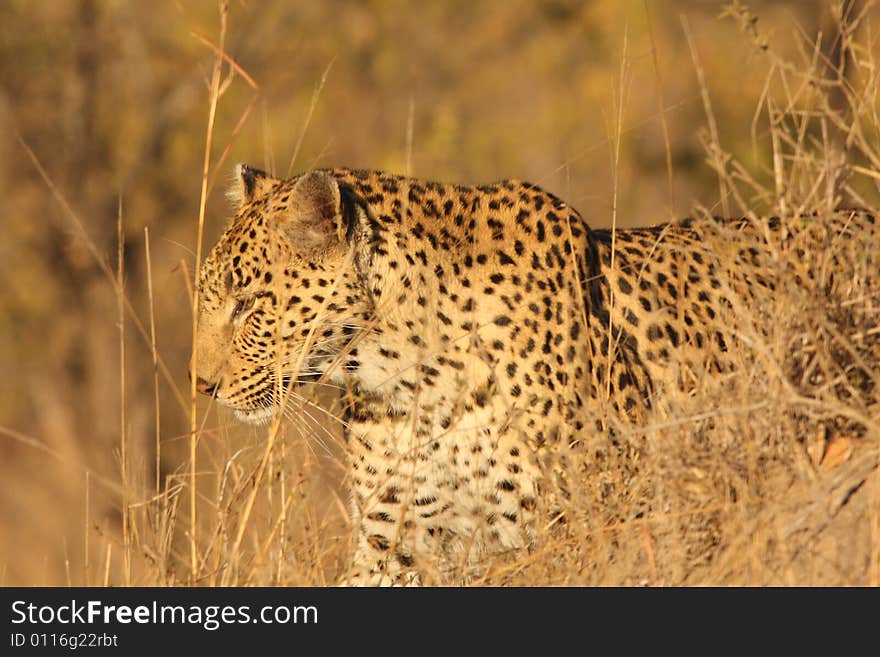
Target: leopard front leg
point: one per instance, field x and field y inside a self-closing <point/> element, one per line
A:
<point x="397" y="509"/>
<point x="383" y="554"/>
<point x="426" y="508"/>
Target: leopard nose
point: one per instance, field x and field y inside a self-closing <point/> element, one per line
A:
<point x="205" y="387"/>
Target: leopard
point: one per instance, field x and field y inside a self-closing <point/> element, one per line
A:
<point x="475" y="331"/>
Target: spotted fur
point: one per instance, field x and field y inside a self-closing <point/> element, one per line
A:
<point x="476" y="329"/>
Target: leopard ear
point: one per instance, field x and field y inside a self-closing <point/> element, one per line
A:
<point x="314" y="219"/>
<point x="247" y="184"/>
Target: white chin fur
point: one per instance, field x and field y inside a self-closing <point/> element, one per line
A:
<point x="259" y="416"/>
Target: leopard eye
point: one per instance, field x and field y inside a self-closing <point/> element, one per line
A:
<point x="242" y="305"/>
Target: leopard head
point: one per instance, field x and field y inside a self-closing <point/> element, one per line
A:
<point x="279" y="300"/>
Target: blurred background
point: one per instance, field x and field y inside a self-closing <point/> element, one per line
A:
<point x="112" y="98"/>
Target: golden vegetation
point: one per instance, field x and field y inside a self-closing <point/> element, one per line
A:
<point x="633" y="112"/>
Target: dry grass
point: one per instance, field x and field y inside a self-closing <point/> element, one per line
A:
<point x="766" y="477"/>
